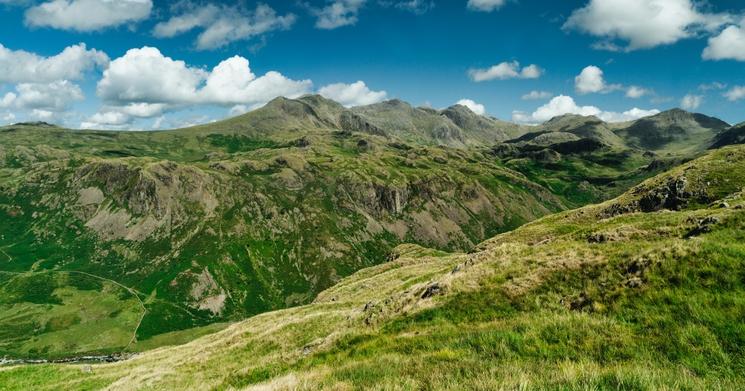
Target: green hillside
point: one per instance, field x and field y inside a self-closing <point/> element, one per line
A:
<point x="674" y="131"/>
<point x="731" y="136"/>
<point x="53" y="314"/>
<point x="645" y="291"/>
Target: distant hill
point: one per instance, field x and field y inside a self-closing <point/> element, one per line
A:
<point x="732" y="136"/>
<point x="456" y="126"/>
<point x="37" y="124"/>
<point x="666" y="138"/>
<point x="586" y="127"/>
<point x="673" y="131"/>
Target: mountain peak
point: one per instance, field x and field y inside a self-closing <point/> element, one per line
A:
<point x="731" y="136"/>
<point x="394" y="103"/>
<point x="675" y="130"/>
<point x="317" y="99"/>
<point x="460" y="109"/>
<point x="676" y="116"/>
<point x="560" y="119"/>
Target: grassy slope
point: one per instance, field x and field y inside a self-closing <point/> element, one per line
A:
<point x="577" y="300"/>
<point x="53" y="314"/>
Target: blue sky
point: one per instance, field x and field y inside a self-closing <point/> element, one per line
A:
<point x="151" y="64"/>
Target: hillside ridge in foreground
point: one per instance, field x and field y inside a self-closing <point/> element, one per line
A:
<point x="645" y="291"/>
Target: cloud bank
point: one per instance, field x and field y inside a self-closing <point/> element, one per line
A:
<point x="355" y="94"/>
<point x="563" y="104"/>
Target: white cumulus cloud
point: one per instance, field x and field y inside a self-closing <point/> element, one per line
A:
<point x="591" y="80"/>
<point x="144" y="83"/>
<point x="105" y="120"/>
<point x="231" y="82"/>
<point x="9" y="117"/>
<point x="485" y="5"/>
<point x="145" y="75"/>
<point x="43" y="87"/>
<point x="44" y="115"/>
<point x="560" y="105"/>
<point x="504" y="71"/>
<point x="628" y="115"/>
<point x="563" y="104"/>
<point x="728" y="45"/>
<point x="7" y="100"/>
<point x="222" y="24"/>
<point x="87" y="15"/>
<point x="643" y="23"/>
<point x="18" y="66"/>
<point x="473" y="106"/>
<point x="355" y="94"/>
<point x="187" y="21"/>
<point x="56" y="96"/>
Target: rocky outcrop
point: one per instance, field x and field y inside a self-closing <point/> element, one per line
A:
<point x="352" y="122"/>
<point x="390" y="199"/>
<point x="673" y="194"/>
<point x="138" y="200"/>
<point x="447" y="133"/>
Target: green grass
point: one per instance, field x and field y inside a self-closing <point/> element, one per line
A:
<point x="58" y="314"/>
